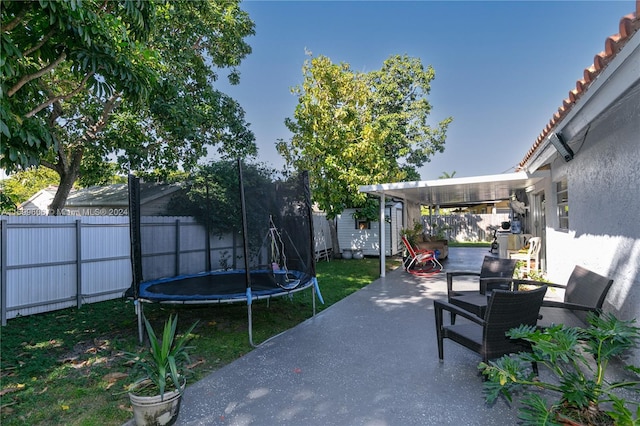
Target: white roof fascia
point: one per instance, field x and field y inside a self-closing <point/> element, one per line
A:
<point x="382" y="187"/>
<point x="407" y="189"/>
<point x="621" y="73"/>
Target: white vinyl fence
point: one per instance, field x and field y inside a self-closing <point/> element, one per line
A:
<point x="55" y="262"/>
<point x="465" y="227"/>
<point x="49" y="263"/>
<point x="322" y="236"/>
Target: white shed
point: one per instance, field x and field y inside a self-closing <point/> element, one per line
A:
<point x="356" y="234"/>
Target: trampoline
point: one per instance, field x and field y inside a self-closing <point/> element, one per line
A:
<point x="224" y="287"/>
<point x="275" y="256"/>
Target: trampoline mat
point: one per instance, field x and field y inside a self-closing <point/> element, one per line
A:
<point x="223" y="285"/>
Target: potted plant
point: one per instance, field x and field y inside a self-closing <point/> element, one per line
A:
<point x="414" y="234"/>
<point x="156" y="397"/>
<point x="576" y="360"/>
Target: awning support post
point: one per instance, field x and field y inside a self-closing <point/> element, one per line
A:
<point x="382" y="237"/>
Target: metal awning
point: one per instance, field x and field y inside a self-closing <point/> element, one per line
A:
<point x="457" y="191"/>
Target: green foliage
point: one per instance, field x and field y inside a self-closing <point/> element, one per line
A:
<point x="369" y="210"/>
<point x="534" y="412"/>
<point x="7" y="206"/>
<point x="534" y="275"/>
<point x="578" y="380"/>
<point x="446" y="175"/>
<point x="20" y="186"/>
<point x="414" y="233"/>
<point x="166" y="357"/>
<point x="186" y="117"/>
<point x="93" y="43"/>
<point x="87" y="81"/>
<point x="94" y="171"/>
<point x="352" y="128"/>
<point x="439" y="231"/>
<point x="213" y="197"/>
<point x="623" y="415"/>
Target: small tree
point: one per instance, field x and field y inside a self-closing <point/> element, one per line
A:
<point x="351" y="128"/>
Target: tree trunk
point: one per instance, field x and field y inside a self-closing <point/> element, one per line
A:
<point x="335" y="244"/>
<point x="69" y="172"/>
<point x="69" y="168"/>
<point x="67" y="179"/>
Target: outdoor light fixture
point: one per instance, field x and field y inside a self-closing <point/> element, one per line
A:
<point x="561" y="146"/>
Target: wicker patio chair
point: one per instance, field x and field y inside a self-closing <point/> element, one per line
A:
<point x="506" y="310"/>
<point x="475" y="301"/>
<point x="584" y="292"/>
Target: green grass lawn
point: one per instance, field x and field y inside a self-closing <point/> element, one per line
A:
<point x="68" y="367"/>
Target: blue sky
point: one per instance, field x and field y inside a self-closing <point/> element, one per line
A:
<point x="502" y="68"/>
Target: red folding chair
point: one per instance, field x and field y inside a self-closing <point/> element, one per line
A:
<point x="421" y="262"/>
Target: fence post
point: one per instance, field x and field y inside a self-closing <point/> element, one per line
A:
<point x="207" y="247"/>
<point x="3" y="270"/>
<point x="177" y="248"/>
<point x="78" y="263"/>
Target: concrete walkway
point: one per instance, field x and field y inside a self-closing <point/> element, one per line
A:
<point x="370" y="359"/>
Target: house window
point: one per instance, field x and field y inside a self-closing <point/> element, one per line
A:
<point x="363" y="224"/>
<point x="562" y="200"/>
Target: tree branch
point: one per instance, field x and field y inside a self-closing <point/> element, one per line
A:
<point x="46" y="38"/>
<point x="48" y="164"/>
<point x="27" y="78"/>
<point x="59" y="98"/>
<point x="111" y="104"/>
<point x="14" y="23"/>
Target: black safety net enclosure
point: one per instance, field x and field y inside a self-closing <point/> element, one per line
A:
<point x="229" y="233"/>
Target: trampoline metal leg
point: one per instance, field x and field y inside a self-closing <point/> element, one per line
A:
<point x="138" y="306"/>
<point x="250" y="321"/>
<point x="313" y="298"/>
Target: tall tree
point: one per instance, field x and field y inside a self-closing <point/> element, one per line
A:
<point x="352" y="128"/>
<point x="54" y="50"/>
<point x="166" y="121"/>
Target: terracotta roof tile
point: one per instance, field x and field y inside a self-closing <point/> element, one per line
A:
<point x="629" y="24"/>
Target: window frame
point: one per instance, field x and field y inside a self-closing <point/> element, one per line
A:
<point x="363" y="224"/>
<point x="562" y="203"/>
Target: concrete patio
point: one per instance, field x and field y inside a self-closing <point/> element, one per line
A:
<point x="370" y="359"/>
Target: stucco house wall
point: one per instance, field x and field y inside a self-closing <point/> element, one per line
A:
<point x="604" y="200"/>
<point x="600" y="123"/>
